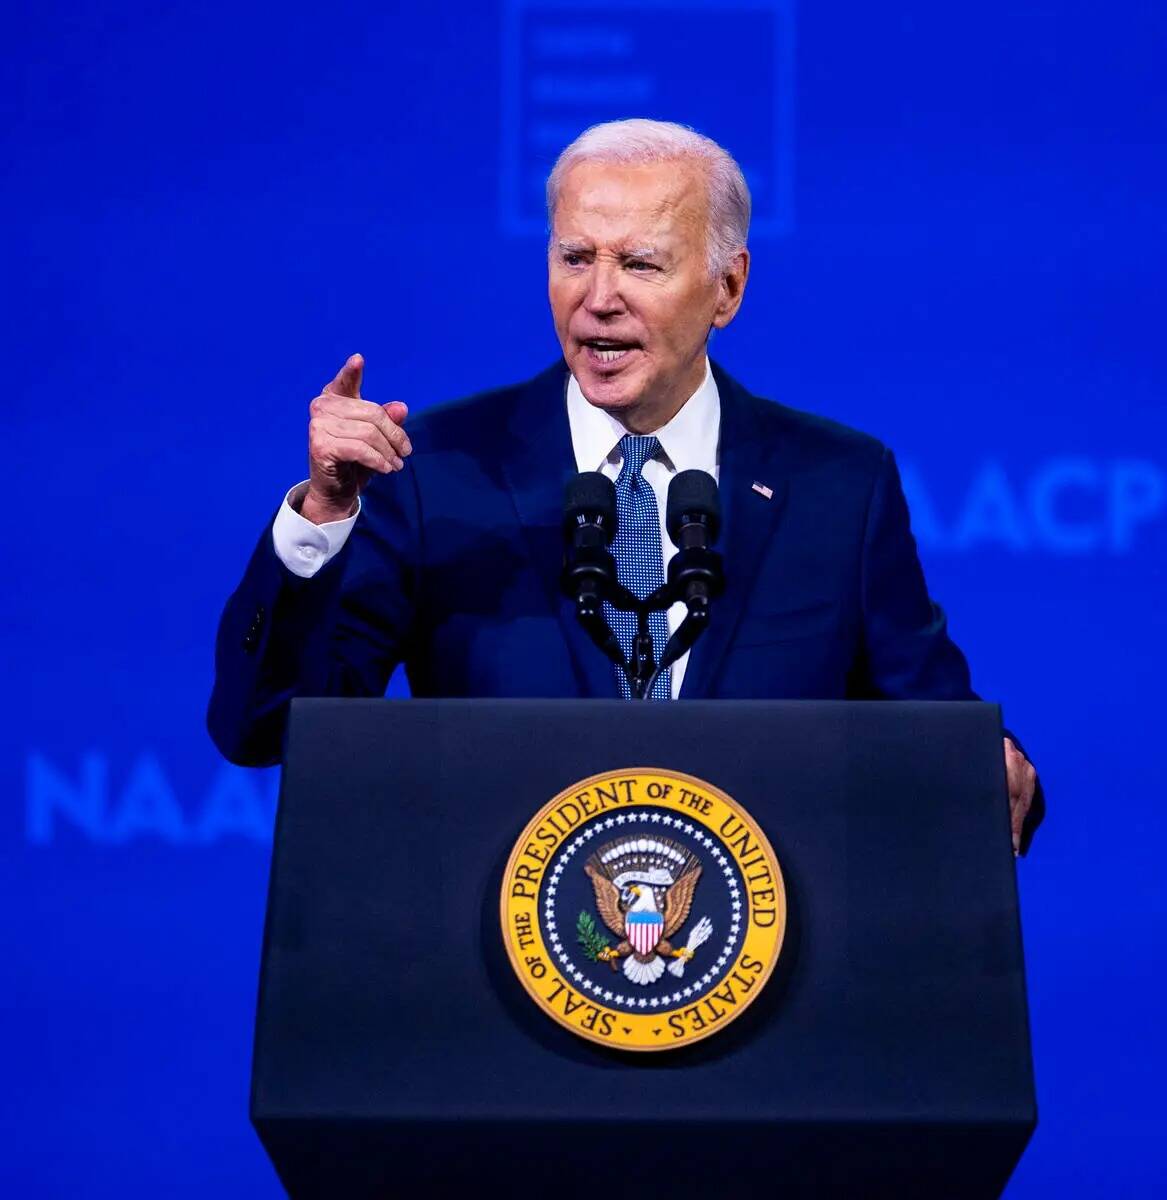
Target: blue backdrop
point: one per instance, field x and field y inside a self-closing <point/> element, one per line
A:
<point x="960" y="247"/>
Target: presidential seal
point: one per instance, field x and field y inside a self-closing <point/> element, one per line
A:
<point x="643" y="909"/>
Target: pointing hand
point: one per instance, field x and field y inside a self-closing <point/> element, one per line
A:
<point x="348" y="440"/>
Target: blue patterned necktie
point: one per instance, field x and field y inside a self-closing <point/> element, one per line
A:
<point x="639" y="559"/>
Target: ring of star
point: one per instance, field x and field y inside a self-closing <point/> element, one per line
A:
<point x="564" y="959"/>
<point x="708" y="1002"/>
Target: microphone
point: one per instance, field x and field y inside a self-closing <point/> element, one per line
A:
<point x="589" y="570"/>
<point x="589" y="525"/>
<point x="693" y="519"/>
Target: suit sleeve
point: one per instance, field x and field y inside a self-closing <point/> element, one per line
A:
<point x="340" y="632"/>
<point x="908" y="654"/>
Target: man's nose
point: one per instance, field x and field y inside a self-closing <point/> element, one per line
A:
<point x="603" y="298"/>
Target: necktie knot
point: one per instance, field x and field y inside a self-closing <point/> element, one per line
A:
<point x="637" y="449"/>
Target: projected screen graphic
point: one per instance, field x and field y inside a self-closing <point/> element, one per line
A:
<point x="566" y="66"/>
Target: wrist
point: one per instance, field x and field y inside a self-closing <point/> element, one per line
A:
<point x="321" y="510"/>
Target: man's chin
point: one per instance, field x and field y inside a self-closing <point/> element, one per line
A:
<point x="608" y="397"/>
<point x="610" y="390"/>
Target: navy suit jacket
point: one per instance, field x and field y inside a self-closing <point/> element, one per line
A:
<point x="453" y="570"/>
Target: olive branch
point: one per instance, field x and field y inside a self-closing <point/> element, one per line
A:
<point x="589" y="937"/>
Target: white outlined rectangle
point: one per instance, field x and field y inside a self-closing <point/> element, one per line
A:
<point x="567" y="64"/>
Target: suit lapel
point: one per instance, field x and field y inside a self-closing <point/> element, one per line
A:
<point x="750" y="453"/>
<point x="537" y="462"/>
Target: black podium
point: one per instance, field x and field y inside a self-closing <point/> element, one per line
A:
<point x="397" y="1053"/>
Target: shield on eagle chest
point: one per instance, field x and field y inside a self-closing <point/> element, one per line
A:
<point x="644" y="930"/>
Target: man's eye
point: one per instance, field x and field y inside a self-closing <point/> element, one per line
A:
<point x="637" y="265"/>
<point x="572" y="260"/>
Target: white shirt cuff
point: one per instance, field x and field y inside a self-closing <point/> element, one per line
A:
<point x="304" y="548"/>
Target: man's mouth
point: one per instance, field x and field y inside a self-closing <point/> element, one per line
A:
<point x="607" y="350"/>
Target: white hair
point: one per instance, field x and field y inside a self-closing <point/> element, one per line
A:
<point x="640" y="140"/>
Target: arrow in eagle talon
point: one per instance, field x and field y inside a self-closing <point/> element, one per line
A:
<point x="698" y="935"/>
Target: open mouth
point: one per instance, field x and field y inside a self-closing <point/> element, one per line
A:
<point x="607" y="351"/>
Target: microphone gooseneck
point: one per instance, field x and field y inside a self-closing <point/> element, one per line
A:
<point x="589" y="570"/>
<point x="693" y="519"/>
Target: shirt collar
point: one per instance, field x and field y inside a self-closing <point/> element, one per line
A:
<point x="689" y="440"/>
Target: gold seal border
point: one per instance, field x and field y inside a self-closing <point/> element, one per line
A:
<point x="764" y="945"/>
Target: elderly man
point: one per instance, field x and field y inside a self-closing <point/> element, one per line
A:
<point x="441" y="548"/>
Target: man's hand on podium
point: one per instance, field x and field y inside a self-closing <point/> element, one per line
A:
<point x="1022" y="780"/>
<point x="348" y="439"/>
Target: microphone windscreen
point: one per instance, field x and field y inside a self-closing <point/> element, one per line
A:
<point x="693" y="494"/>
<point x="592" y="495"/>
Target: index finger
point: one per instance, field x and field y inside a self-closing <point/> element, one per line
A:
<point x="347" y="381"/>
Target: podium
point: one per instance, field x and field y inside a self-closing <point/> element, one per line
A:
<point x="397" y="1053"/>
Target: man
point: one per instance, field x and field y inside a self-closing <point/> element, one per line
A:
<point x="453" y="567"/>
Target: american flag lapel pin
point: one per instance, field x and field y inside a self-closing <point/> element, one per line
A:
<point x="763" y="490"/>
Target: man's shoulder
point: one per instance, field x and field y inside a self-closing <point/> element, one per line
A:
<point x="807" y="437"/>
<point x="479" y="419"/>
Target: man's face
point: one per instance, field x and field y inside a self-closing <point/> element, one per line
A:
<point x="630" y="288"/>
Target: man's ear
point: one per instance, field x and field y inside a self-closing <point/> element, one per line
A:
<point x="731" y="288"/>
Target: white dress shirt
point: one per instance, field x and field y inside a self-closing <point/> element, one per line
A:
<point x="688" y="442"/>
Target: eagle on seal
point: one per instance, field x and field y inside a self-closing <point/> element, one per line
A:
<point x="644" y="890"/>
